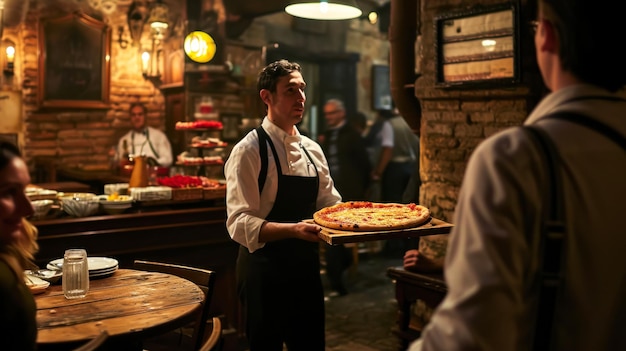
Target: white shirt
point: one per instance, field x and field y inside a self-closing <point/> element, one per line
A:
<point x="246" y="210"/>
<point x="141" y="146"/>
<point x="386" y="135"/>
<point x="489" y="263"/>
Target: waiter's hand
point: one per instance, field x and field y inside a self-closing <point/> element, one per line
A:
<point x="307" y="231"/>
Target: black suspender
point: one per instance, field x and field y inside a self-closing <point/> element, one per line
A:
<point x="147" y="135"/>
<point x="553" y="229"/>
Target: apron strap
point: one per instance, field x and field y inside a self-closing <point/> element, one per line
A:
<point x="263" y="139"/>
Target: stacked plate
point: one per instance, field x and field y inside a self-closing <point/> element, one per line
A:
<point x="98" y="266"/>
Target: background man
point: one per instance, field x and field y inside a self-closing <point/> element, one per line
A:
<point x="144" y="140"/>
<point x="350" y="168"/>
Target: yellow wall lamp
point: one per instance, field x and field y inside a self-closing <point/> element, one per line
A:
<point x="199" y="46"/>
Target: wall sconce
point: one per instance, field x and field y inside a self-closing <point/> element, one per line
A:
<point x="136" y="17"/>
<point x="324" y="9"/>
<point x="158" y="19"/>
<point x="151" y="60"/>
<point x="10" y="60"/>
<point x="150" y="66"/>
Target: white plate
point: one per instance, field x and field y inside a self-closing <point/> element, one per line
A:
<point x="95" y="264"/>
<point x="102" y="274"/>
<point x="112" y="269"/>
<point x="36" y="285"/>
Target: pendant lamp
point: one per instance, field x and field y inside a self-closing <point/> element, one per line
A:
<point x="324" y="9"/>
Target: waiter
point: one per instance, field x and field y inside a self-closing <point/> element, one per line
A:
<point x="144" y="140"/>
<point x="270" y="190"/>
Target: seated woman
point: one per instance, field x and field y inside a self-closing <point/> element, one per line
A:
<point x="18" y="326"/>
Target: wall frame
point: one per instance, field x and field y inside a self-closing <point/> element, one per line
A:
<point x="478" y="47"/>
<point x="381" y="88"/>
<point x="74" y="62"/>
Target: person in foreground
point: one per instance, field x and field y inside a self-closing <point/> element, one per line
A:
<point x="18" y="326"/>
<point x="144" y="140"/>
<point x="270" y="190"/>
<point x="491" y="266"/>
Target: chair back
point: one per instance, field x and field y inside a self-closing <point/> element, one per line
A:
<point x="94" y="343"/>
<point x="213" y="342"/>
<point x="204" y="278"/>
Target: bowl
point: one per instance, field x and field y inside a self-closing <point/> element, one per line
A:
<point x="115" y="204"/>
<point x="119" y="188"/>
<point x="80" y="204"/>
<point x="41" y="207"/>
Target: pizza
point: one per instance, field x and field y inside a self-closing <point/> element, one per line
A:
<point x="371" y="216"/>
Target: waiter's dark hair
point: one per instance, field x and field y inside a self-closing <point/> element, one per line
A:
<point x="270" y="74"/>
<point x="8" y="151"/>
<point x="143" y="107"/>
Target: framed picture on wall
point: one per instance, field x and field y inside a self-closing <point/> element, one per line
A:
<point x="381" y="88"/>
<point x="74" y="62"/>
<point x="479" y="46"/>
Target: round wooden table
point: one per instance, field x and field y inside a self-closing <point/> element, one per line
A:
<point x="130" y="305"/>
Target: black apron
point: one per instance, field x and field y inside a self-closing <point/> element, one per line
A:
<point x="280" y="284"/>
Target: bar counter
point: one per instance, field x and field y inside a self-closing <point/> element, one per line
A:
<point x="188" y="233"/>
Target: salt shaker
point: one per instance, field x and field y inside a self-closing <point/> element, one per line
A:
<point x="75" y="274"/>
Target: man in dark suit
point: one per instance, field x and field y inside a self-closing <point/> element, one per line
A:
<point x="350" y="167"/>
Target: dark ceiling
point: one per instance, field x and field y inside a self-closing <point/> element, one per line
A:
<point x="251" y="9"/>
<point x="240" y="13"/>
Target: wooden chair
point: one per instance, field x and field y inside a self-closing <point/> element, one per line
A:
<point x="204" y="278"/>
<point x="214" y="341"/>
<point x="410" y="287"/>
<point x="94" y="343"/>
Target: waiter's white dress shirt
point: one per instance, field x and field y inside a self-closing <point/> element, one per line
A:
<point x="490" y="264"/>
<point x="247" y="209"/>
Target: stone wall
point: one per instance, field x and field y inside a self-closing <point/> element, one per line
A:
<point x="77" y="137"/>
<point x="455" y="121"/>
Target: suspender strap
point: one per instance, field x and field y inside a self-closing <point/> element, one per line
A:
<point x="553" y="230"/>
<point x="263" y="137"/>
<point x="593" y="124"/>
<point x="552" y="237"/>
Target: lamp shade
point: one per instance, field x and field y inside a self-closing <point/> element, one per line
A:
<point x="324" y="9"/>
<point x="199" y="46"/>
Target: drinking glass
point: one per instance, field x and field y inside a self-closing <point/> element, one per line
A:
<point x="75" y="274"/>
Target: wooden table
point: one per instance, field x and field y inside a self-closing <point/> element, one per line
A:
<point x="130" y="305"/>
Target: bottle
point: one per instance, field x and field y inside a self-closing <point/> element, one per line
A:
<point x="140" y="176"/>
<point x="75" y="277"/>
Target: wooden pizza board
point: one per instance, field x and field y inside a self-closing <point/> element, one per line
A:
<point x="335" y="236"/>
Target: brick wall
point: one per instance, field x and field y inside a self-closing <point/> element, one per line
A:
<point x="455" y="121"/>
<point x="83" y="137"/>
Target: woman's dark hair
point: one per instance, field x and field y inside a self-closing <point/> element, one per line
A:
<point x="587" y="33"/>
<point x="270" y="74"/>
<point x="8" y="151"/>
